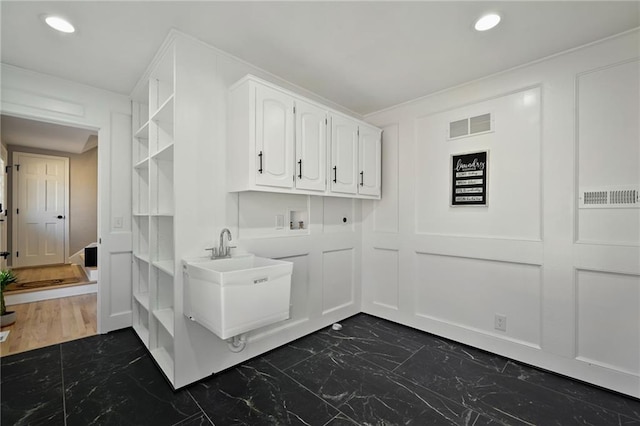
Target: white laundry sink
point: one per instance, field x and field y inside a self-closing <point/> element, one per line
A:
<point x="234" y="295"/>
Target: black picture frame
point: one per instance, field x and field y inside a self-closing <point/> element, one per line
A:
<point x="469" y="179"/>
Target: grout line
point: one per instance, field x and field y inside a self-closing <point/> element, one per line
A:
<point x="410" y="356"/>
<point x="198" y="404"/>
<point x="64" y="399"/>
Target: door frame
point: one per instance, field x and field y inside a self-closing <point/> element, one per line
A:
<point x="14" y="202"/>
<point x="4" y="154"/>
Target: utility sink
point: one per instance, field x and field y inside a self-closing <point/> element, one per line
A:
<point x="231" y="296"/>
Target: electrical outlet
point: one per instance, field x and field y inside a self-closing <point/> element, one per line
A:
<point x="279" y="221"/>
<point x="500" y="322"/>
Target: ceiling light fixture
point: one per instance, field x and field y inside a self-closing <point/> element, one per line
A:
<point x="487" y="22"/>
<point x="60" y="24"/>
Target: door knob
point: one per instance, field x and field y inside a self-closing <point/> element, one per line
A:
<point x="60" y="216"/>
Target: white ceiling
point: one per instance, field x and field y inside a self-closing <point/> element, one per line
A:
<point x="36" y="134"/>
<point x="365" y="56"/>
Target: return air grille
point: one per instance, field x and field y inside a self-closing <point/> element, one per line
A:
<point x="470" y="126"/>
<point x="610" y="197"/>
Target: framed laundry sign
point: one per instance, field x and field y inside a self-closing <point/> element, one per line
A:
<point x="469" y="174"/>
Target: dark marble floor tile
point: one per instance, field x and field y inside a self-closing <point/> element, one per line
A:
<point x="299" y="350"/>
<point x="135" y="393"/>
<point x="488" y="359"/>
<point x="500" y="396"/>
<point x="362" y="320"/>
<point x="626" y="406"/>
<point x="38" y="362"/>
<point x="256" y="393"/>
<point x="103" y="348"/>
<point x="31" y="387"/>
<point x="626" y="421"/>
<point x="384" y="348"/>
<point x="197" y="420"/>
<point x="51" y="419"/>
<point x="370" y="394"/>
<point x="341" y="420"/>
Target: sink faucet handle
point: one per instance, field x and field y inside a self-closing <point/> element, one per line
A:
<point x="214" y="251"/>
<point x="227" y="251"/>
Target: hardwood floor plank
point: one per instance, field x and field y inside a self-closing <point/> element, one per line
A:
<point x="49" y="322"/>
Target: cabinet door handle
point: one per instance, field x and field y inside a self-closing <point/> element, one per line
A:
<point x="335" y="174"/>
<point x="300" y="164"/>
<point x="260" y="157"/>
<point x="362" y="178"/>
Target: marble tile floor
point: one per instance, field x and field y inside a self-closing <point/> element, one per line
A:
<point x="372" y="372"/>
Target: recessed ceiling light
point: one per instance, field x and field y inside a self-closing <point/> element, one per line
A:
<point x="60" y="24"/>
<point x="487" y="22"/>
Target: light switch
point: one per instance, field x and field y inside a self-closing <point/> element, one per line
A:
<point x="279" y="221"/>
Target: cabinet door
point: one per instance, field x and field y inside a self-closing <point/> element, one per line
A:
<point x="369" y="153"/>
<point x="311" y="147"/>
<point x="274" y="138"/>
<point x="344" y="151"/>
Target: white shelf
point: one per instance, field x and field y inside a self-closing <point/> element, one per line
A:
<point x="141" y="214"/>
<point x="162" y="214"/>
<point x="142" y="164"/>
<point x="164" y="114"/>
<point x="143" y="131"/>
<point x="165" y="361"/>
<point x="165" y="317"/>
<point x="142" y="256"/>
<point x="165" y="266"/>
<point x="142" y="299"/>
<point x="165" y="154"/>
<point x="143" y="333"/>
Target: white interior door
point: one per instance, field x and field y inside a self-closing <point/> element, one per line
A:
<point x="40" y="231"/>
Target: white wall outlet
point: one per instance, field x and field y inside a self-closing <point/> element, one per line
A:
<point x="500" y="322"/>
<point x="117" y="222"/>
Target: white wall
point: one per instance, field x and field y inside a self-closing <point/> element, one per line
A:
<point x="567" y="279"/>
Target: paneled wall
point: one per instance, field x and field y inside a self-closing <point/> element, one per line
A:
<point x="567" y="279"/>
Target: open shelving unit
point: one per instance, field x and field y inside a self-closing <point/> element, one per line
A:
<point x="153" y="170"/>
<point x="177" y="109"/>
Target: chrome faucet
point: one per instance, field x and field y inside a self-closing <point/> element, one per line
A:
<point x="222" y="251"/>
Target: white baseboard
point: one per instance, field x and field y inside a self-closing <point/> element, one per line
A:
<point x="35" y="296"/>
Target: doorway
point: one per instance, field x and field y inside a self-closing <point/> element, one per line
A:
<point x="52" y="216"/>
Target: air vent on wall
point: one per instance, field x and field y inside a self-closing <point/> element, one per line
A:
<point x="470" y="126"/>
<point x="625" y="196"/>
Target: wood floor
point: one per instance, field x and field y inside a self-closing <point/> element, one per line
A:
<point x="48" y="322"/>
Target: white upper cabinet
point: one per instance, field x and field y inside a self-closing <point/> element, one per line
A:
<point x="281" y="142"/>
<point x="344" y="155"/>
<point x="274" y="137"/>
<point x="369" y="149"/>
<point x="311" y="147"/>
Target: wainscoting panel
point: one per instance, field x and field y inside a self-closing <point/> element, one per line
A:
<point x="470" y="293"/>
<point x="608" y="320"/>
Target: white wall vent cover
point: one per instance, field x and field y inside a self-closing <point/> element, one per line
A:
<point x="470" y="126"/>
<point x="611" y="197"/>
